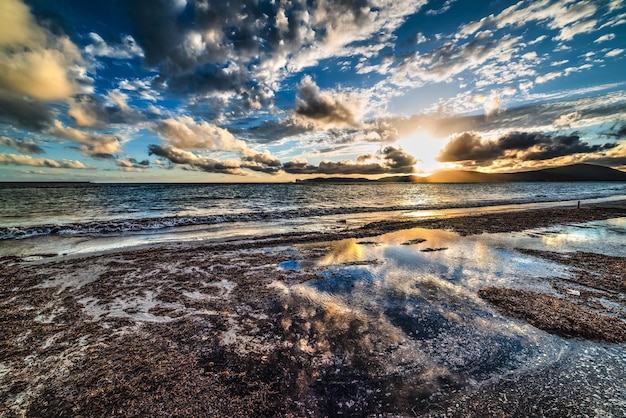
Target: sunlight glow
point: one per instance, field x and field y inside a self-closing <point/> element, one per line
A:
<point x="426" y="149"/>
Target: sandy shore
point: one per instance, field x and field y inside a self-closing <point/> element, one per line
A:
<point x="233" y="329"/>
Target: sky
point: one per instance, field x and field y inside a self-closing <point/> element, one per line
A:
<point x="264" y="91"/>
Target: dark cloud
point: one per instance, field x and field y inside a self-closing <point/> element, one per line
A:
<point x="179" y="156"/>
<point x="27" y="113"/>
<point x="619" y="133"/>
<point x="262" y="158"/>
<point x="564" y="145"/>
<point x="157" y="30"/>
<point x="20" y="145"/>
<point x="469" y="146"/>
<point x="525" y="146"/>
<point x="247" y="47"/>
<point x="260" y="162"/>
<point x="323" y="108"/>
<point x="389" y="160"/>
<point x="91" y="111"/>
<point x="270" y="131"/>
<point x="398" y="160"/>
<point x="299" y="167"/>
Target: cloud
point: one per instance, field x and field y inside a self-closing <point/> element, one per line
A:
<point x="388" y="160"/>
<point x="209" y="165"/>
<point x="19" y="159"/>
<point x="132" y="165"/>
<point x="469" y="146"/>
<point x="521" y="146"/>
<point x="444" y="8"/>
<point x="33" y="61"/>
<point x="24" y="111"/>
<point x="604" y="38"/>
<point x="262" y="159"/>
<point x="127" y="48"/>
<point x="183" y="132"/>
<point x="453" y="57"/>
<point x="324" y="109"/>
<point x="87" y="111"/>
<point x="560" y="15"/>
<point x="548" y="76"/>
<point x="28" y="147"/>
<point x="568" y="32"/>
<point x="247" y="48"/>
<point x="90" y="111"/>
<point x="567" y="119"/>
<point x="614" y="52"/>
<point x="619" y="133"/>
<point x="93" y="144"/>
<point x="271" y="131"/>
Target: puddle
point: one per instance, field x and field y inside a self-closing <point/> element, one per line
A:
<point x="606" y="237"/>
<point x="420" y="286"/>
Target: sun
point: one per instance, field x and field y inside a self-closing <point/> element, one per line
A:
<point x="426" y="149"/>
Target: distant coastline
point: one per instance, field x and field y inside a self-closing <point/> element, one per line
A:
<point x="570" y="173"/>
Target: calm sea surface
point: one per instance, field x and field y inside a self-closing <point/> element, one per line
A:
<point x="91" y="211"/>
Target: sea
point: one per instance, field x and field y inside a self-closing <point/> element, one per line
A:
<point x="67" y="218"/>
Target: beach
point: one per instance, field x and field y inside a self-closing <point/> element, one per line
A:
<point x="507" y="313"/>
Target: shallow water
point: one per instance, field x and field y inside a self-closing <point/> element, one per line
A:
<point x="422" y="298"/>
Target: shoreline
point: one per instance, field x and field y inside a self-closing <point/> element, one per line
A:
<point x="286" y="325"/>
<point x="465" y="221"/>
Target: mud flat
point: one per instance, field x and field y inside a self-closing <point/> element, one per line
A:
<point x="360" y="322"/>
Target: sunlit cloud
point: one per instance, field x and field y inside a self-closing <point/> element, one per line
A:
<point x="92" y="144"/>
<point x="34" y="61"/>
<point x="20" y="159"/>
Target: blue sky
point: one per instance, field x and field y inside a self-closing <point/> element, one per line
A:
<point x="243" y="90"/>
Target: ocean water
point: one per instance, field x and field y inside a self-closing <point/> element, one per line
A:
<point x="58" y="215"/>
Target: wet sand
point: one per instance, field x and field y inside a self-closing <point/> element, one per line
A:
<point x="238" y="329"/>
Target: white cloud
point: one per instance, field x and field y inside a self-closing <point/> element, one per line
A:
<point x="617" y="20"/>
<point x="538" y="39"/>
<point x="568" y="32"/>
<point x="126" y="49"/>
<point x="119" y="99"/>
<point x="615" y="5"/>
<point x="547" y="77"/>
<point x="614" y="53"/>
<point x="452" y="58"/>
<point x="604" y="38"/>
<point x="563" y="15"/>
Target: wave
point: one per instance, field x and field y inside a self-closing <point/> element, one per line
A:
<point x="158" y="223"/>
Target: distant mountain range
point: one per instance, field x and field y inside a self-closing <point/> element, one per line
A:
<point x="575" y="172"/>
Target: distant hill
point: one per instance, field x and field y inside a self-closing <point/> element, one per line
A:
<point x="575" y="172"/>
